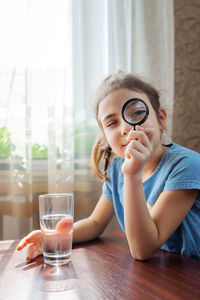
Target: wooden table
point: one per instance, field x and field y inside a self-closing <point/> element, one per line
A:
<point x="101" y="269"/>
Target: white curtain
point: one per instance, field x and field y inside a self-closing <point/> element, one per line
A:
<point x="47" y="127"/>
<point x="132" y="35"/>
<point x="141" y="40"/>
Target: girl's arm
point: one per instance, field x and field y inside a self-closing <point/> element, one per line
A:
<point x="148" y="230"/>
<point x="91" y="227"/>
<point x="84" y="230"/>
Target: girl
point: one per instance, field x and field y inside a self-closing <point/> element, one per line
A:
<point x="152" y="188"/>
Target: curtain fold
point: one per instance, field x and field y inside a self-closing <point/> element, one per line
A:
<point x="153" y="35"/>
<point x="141" y="40"/>
<point x="47" y="127"/>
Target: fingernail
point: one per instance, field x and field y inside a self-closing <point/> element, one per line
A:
<point x="28" y="259"/>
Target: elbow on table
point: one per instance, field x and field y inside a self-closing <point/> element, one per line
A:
<point x="143" y="249"/>
<point x="142" y="255"/>
<point x="141" y="258"/>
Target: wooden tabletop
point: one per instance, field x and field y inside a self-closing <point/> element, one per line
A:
<point x="101" y="269"/>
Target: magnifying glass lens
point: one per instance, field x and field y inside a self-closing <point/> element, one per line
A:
<point x="135" y="111"/>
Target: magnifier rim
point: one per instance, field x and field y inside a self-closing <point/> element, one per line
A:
<point x="124" y="107"/>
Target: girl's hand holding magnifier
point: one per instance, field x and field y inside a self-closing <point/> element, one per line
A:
<point x="135" y="112"/>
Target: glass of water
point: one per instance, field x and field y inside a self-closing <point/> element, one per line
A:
<point x="56" y="224"/>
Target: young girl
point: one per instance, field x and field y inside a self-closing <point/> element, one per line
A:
<point x="152" y="188"/>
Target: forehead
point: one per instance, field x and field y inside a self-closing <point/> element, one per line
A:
<point x="114" y="101"/>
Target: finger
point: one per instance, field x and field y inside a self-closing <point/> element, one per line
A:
<point x="33" y="251"/>
<point x="137" y="146"/>
<point x="33" y="237"/>
<point x="133" y="153"/>
<point x="22" y="244"/>
<point x="138" y="127"/>
<point x="150" y="133"/>
<point x="147" y="136"/>
<point x="64" y="225"/>
<point x="133" y="134"/>
<point x="137" y="150"/>
<point x="30" y="238"/>
<point x="138" y="134"/>
<point x="141" y="141"/>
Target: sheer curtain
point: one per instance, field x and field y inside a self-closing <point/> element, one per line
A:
<point x="47" y="127"/>
<point x="141" y="40"/>
<point x="36" y="143"/>
<point x="36" y="105"/>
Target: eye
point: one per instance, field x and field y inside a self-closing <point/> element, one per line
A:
<point x="137" y="116"/>
<point x="111" y="123"/>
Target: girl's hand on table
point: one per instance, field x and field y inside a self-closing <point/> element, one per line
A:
<point x="34" y="242"/>
<point x="61" y="236"/>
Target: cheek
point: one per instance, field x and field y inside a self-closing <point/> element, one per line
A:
<point x="110" y="137"/>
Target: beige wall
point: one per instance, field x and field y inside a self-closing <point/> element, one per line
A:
<point x="186" y="121"/>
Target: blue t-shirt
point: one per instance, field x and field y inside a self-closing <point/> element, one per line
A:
<point x="179" y="169"/>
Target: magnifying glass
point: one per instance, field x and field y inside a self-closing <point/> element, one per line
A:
<point x="135" y="112"/>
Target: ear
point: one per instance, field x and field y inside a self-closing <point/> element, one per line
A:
<point x="162" y="117"/>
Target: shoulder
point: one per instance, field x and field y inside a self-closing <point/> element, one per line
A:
<point x="184" y="166"/>
<point x="178" y="154"/>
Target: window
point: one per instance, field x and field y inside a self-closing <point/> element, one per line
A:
<point x="35" y="74"/>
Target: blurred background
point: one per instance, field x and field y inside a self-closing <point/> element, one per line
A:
<point x="54" y="54"/>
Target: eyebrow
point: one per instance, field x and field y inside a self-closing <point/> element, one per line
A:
<point x="108" y="117"/>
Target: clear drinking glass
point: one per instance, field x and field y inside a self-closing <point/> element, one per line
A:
<point x="56" y="224"/>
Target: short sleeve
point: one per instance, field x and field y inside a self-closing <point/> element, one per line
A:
<point x="185" y="174"/>
<point x="107" y="186"/>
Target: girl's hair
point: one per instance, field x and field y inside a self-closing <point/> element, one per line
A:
<point x="115" y="81"/>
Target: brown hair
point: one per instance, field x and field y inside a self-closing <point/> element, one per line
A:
<point x="115" y="81"/>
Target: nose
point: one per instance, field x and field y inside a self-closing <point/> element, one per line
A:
<point x="125" y="128"/>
